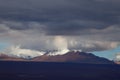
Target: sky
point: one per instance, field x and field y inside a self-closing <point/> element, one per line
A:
<point x="87" y="25"/>
<point x="109" y="54"/>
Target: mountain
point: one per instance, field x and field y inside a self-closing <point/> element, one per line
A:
<point x="4" y="57"/>
<point x="117" y="62"/>
<point x="74" y="56"/>
<point x="71" y="56"/>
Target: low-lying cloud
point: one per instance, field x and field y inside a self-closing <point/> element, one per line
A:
<point x="117" y="57"/>
<point x="88" y="25"/>
<point x="35" y="36"/>
<point x="16" y="51"/>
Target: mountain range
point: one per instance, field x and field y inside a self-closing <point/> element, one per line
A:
<point x="71" y="56"/>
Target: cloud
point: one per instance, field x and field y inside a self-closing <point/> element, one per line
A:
<point x="35" y="36"/>
<point x="64" y="17"/>
<point x="60" y="43"/>
<point x="87" y="25"/>
<point x="117" y="57"/>
<point x="24" y="53"/>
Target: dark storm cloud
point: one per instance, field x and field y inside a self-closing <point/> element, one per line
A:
<point x="90" y="25"/>
<point x="62" y="17"/>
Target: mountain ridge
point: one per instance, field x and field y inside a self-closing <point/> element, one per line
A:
<point x="71" y="56"/>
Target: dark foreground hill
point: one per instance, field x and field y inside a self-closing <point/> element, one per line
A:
<point x="72" y="56"/>
<point x="10" y="70"/>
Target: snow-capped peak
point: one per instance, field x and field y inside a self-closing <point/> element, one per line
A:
<point x="59" y="52"/>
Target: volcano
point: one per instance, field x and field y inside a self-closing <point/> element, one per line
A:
<point x="71" y="56"/>
<point x="75" y="57"/>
